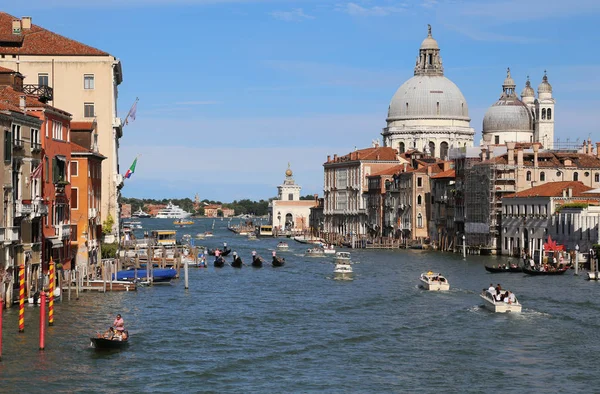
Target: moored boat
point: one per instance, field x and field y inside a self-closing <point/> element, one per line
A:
<point x="500" y="306"/>
<point x="434" y="281"/>
<point x="158" y="275"/>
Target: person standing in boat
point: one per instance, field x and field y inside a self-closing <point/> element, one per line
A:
<point x="119" y="324"/>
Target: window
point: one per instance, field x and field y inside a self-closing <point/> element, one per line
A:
<point x="438" y="108"/>
<point x="543" y="113"/>
<point x="542" y="176"/>
<point x="16" y="132"/>
<point x="528" y="176"/>
<point x="432" y="148"/>
<point x="74" y="168"/>
<point x="74" y="198"/>
<point x="419" y="182"/>
<point x="575" y="176"/>
<point x="291" y="196"/>
<point x="46" y="169"/>
<point x="596" y="177"/>
<point x="419" y="199"/>
<point x="549" y="114"/>
<point x="444" y="150"/>
<point x="586" y="174"/>
<point x="497" y="139"/>
<point x="35" y="139"/>
<point x="401" y="148"/>
<point x="88" y="110"/>
<point x="88" y="81"/>
<point x="58" y="169"/>
<point x="43" y="80"/>
<point x="7" y="145"/>
<point x="57" y="130"/>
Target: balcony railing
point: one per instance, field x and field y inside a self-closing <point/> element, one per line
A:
<point x="92" y="213"/>
<point x="23" y="208"/>
<point x="63" y="231"/>
<point x="9" y="234"/>
<point x="36" y="147"/>
<point x="43" y="92"/>
<point x="18" y="143"/>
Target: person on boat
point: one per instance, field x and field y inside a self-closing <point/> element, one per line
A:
<point x="511" y="298"/>
<point x="119" y="324"/>
<point x="109" y="334"/>
<point x="492" y="290"/>
<point x="217" y="252"/>
<point x="498" y="288"/>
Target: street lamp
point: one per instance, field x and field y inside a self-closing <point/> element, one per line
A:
<point x="576" y="259"/>
<point x="464" y="246"/>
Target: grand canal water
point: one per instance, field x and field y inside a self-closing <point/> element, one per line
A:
<point x="297" y="330"/>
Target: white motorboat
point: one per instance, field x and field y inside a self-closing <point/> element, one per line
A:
<point x="172" y="211"/>
<point x="315" y="252"/>
<point x="252" y="237"/>
<point x="434" y="281"/>
<point x="343" y="269"/>
<point x="342" y="257"/>
<point x="500" y="306"/>
<point x="200" y="236"/>
<point x="140" y="214"/>
<point x="282" y="246"/>
<point x="328" y="249"/>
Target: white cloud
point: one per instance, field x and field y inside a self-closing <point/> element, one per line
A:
<point x="358" y="10"/>
<point x="295" y="15"/>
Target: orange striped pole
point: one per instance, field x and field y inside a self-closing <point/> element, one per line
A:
<point x="51" y="295"/>
<point x="22" y="298"/>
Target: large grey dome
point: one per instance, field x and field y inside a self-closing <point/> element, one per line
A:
<point x="508" y="114"/>
<point x="428" y="97"/>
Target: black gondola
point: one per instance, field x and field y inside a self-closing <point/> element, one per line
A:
<point x="495" y="270"/>
<point x="219" y="262"/>
<point x="278" y="261"/>
<point x="257" y="261"/>
<point x="237" y="262"/>
<point x="226" y="251"/>
<point x="537" y="273"/>
<point x="107" y="344"/>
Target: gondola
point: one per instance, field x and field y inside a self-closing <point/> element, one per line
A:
<point x="496" y="270"/>
<point x="224" y="252"/>
<point x="278" y="261"/>
<point x="237" y="262"/>
<point x="257" y="261"/>
<point x="108" y="344"/>
<point x="219" y="262"/>
<point x="536" y="272"/>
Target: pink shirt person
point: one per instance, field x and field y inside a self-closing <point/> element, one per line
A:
<point x="119" y="324"/>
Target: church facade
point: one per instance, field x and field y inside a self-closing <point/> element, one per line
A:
<point x="288" y="212"/>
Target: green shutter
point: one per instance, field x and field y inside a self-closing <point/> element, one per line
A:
<point x="7" y="145"/>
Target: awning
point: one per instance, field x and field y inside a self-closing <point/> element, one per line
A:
<point x="56" y="243"/>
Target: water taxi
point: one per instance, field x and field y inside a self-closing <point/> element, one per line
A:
<point x="500" y="306"/>
<point x="434" y="281"/>
<point x="315" y="252"/>
<point x="265" y="231"/>
<point x="342" y="257"/>
<point x="166" y="238"/>
<point x="343" y="269"/>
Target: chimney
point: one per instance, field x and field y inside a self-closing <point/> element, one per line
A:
<point x="536" y="148"/>
<point x="22" y="102"/>
<point x="564" y="193"/>
<point x="328" y="158"/>
<point x="520" y="156"/>
<point x="511" y="153"/>
<point x="429" y="169"/>
<point x="598" y="150"/>
<point x="26" y="22"/>
<point x="570" y="192"/>
<point x="334" y="157"/>
<point x="16" y="26"/>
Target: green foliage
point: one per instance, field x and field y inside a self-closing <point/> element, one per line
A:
<point x="573" y="205"/>
<point x="107" y="226"/>
<point x="109" y="251"/>
<point x="307" y="197"/>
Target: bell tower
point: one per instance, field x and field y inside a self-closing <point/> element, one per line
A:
<point x="544" y="114"/>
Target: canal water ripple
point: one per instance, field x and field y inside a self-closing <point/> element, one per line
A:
<point x="296" y="329"/>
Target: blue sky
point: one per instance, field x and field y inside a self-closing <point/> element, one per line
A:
<point x="232" y="90"/>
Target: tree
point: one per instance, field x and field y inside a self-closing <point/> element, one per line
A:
<point x="107" y="226"/>
<point x="308" y="197"/>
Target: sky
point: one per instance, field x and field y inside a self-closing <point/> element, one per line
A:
<point x="231" y="91"/>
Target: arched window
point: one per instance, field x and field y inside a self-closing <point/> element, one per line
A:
<point x="462" y="108"/>
<point x="432" y="148"/>
<point x="444" y="150"/>
<point x="597" y="177"/>
<point x="542" y="176"/>
<point x="543" y="113"/>
<point x="419" y="199"/>
<point x="420" y="221"/>
<point x="549" y="113"/>
<point x="575" y="176"/>
<point x="533" y="114"/>
<point x="401" y="148"/>
<point x="438" y="107"/>
<point x="407" y="108"/>
<point x="528" y="176"/>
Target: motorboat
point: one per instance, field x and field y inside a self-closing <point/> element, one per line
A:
<point x="342" y="257"/>
<point x="208" y="234"/>
<point x="328" y="249"/>
<point x="252" y="237"/>
<point x="343" y="268"/>
<point x="181" y="222"/>
<point x="315" y="252"/>
<point x="140" y="214"/>
<point x="200" y="236"/>
<point x="500" y="306"/>
<point x="172" y="211"/>
<point x="434" y="281"/>
<point x="282" y="246"/>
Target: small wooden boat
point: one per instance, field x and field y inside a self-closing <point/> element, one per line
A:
<point x="159" y="275"/>
<point x="108" y="344"/>
<point x="219" y="262"/>
<point x="508" y="268"/>
<point x="257" y="261"/>
<point x="529" y="271"/>
<point x="237" y="262"/>
<point x="278" y="261"/>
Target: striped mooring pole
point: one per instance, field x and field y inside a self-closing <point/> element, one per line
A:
<point x="1" y="308"/>
<point x="43" y="320"/>
<point x="51" y="293"/>
<point x="22" y="298"/>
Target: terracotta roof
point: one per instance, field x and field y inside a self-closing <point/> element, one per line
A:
<point x="39" y="41"/>
<point x="382" y="153"/>
<point x="451" y="173"/>
<point x="6" y="106"/>
<point x="75" y="149"/>
<point x="82" y="126"/>
<point x="555" y="189"/>
<point x="390" y="171"/>
<point x="4" y="70"/>
<point x="552" y="159"/>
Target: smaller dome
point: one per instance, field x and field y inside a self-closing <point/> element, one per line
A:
<point x="544" y="87"/>
<point x="429" y="42"/>
<point x="288" y="172"/>
<point x="528" y="90"/>
<point x="509" y="82"/>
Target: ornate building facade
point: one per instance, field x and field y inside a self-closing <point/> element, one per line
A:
<point x="288" y="212"/>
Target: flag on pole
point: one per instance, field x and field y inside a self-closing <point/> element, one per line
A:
<point x="37" y="173"/>
<point x="132" y="112"/>
<point x="131" y="169"/>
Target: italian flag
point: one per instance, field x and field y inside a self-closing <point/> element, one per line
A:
<point x="131" y="169"/>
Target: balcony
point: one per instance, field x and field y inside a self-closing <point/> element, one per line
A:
<point x="9" y="234"/>
<point x="23" y="208"/>
<point x="18" y="143"/>
<point x="92" y="213"/>
<point x="63" y="231"/>
<point x="36" y="147"/>
<point x="39" y="208"/>
<point x="43" y="92"/>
